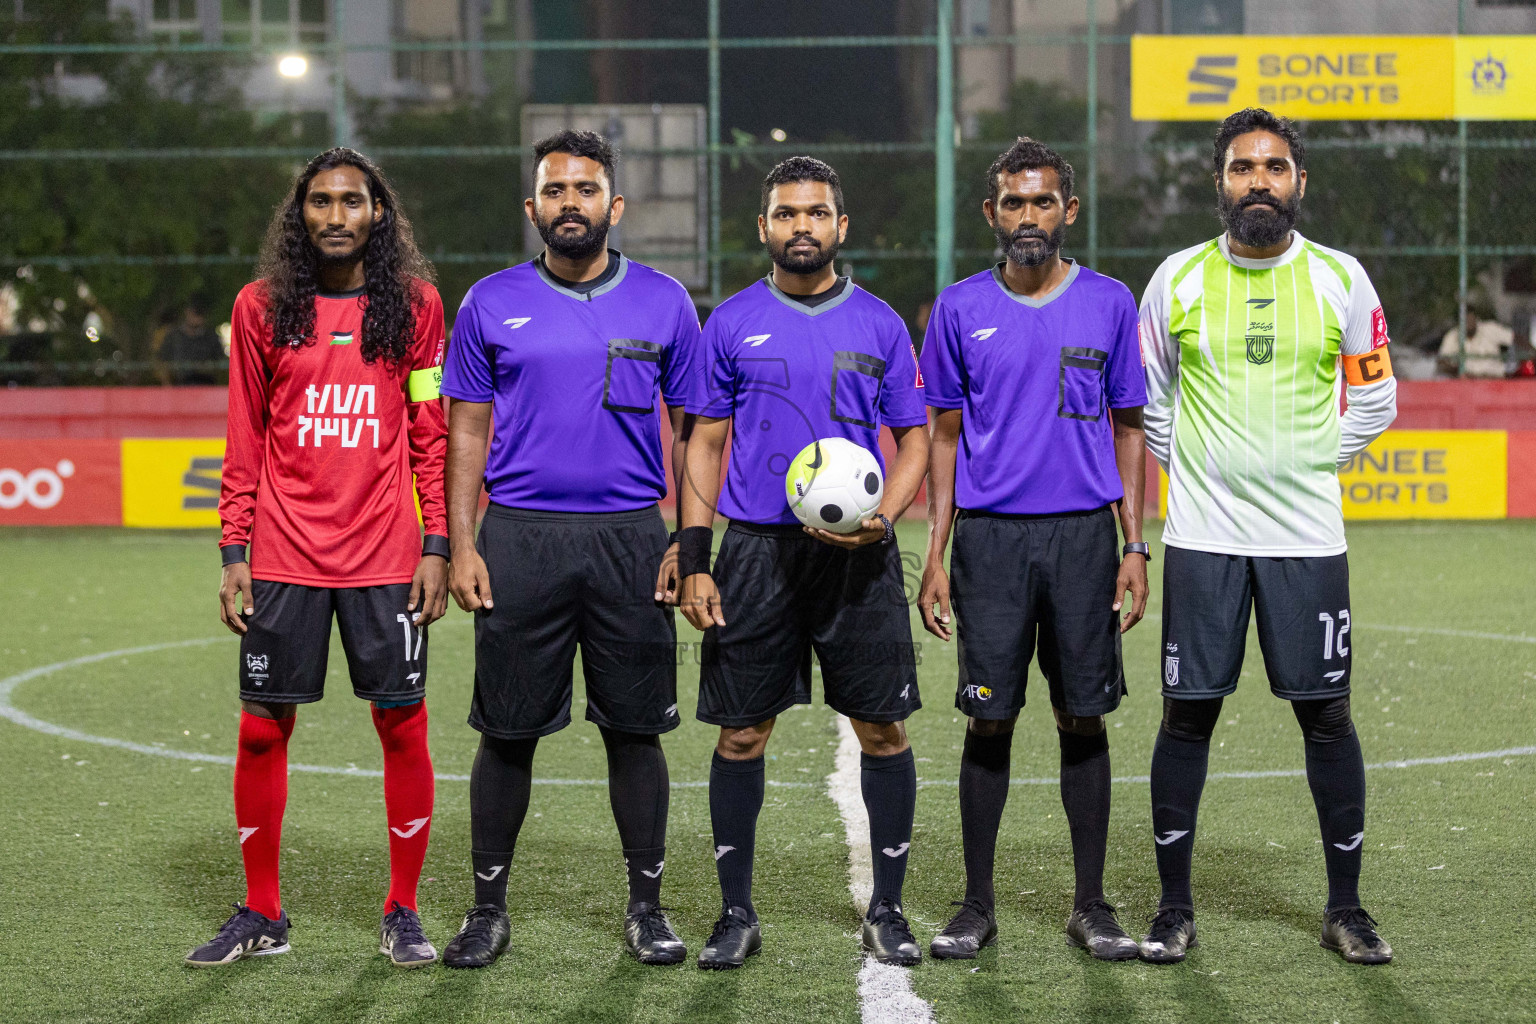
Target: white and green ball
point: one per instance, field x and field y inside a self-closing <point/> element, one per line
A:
<point x="833" y="484"/>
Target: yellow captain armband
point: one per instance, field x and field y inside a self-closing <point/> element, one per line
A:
<point x="425" y="385"/>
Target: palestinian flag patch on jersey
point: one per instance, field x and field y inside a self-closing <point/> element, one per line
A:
<point x="341" y="337"/>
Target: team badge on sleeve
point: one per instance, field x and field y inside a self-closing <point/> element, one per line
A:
<point x="1378" y="328"/>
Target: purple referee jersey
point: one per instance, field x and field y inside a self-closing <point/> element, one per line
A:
<point x="572" y="380"/>
<point x="789" y="374"/>
<point x="1034" y="379"/>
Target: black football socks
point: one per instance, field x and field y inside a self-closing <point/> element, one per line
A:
<point x="639" y="792"/>
<point x="735" y="799"/>
<point x="1336" y="774"/>
<point x="889" y="785"/>
<point x="1085" y="796"/>
<point x="500" y="785"/>
<point x="983" y="793"/>
<point x="1178" y="778"/>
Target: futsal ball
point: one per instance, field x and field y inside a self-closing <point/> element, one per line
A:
<point x="833" y="484"/>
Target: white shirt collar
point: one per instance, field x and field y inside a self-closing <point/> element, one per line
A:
<point x="1277" y="261"/>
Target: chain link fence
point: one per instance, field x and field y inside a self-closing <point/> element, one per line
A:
<point x="147" y="145"/>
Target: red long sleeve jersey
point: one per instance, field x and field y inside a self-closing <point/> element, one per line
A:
<point x="322" y="447"/>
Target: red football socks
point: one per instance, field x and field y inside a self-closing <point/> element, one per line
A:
<point x="261" y="793"/>
<point x="408" y="789"/>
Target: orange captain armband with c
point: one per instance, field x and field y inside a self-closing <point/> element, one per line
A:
<point x="1368" y="368"/>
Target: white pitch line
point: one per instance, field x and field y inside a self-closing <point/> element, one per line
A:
<point x="885" y="992"/>
<point x="23" y="719"/>
<point x="1290" y="773"/>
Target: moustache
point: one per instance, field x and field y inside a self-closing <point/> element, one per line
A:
<point x="802" y="240"/>
<point x="570" y="218"/>
<point x="1030" y="235"/>
<point x="1259" y="199"/>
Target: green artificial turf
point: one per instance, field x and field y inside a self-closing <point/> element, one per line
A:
<point x="113" y="862"/>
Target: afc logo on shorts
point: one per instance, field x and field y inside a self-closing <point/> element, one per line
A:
<point x="981" y="693"/>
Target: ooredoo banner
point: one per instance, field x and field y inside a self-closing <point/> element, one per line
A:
<point x="60" y="483"/>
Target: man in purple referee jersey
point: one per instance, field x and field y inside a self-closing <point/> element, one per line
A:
<point x="1035" y="387"/>
<point x="565" y="356"/>
<point x="802" y="355"/>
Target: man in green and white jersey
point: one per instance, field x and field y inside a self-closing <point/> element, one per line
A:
<point x="1243" y="339"/>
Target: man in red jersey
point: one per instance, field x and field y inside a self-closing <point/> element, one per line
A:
<point x="333" y="408"/>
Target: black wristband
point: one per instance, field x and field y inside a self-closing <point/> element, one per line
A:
<point x="434" y="544"/>
<point x="890" y="531"/>
<point x="693" y="549"/>
<point x="1138" y="547"/>
<point x="672" y="538"/>
<point x="232" y="554"/>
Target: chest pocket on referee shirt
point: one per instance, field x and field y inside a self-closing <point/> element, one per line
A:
<point x="856" y="381"/>
<point x="1080" y="395"/>
<point x="629" y="382"/>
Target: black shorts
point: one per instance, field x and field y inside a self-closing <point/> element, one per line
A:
<point x="1303" y="612"/>
<point x="785" y="594"/>
<point x="1013" y="577"/>
<point x="284" y="651"/>
<point x="563" y="580"/>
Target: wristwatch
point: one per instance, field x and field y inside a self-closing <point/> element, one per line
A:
<point x="1139" y="547"/>
<point x="890" y="531"/>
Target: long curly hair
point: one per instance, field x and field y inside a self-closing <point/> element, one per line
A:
<point x="289" y="264"/>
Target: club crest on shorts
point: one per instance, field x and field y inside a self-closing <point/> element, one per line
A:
<point x="1170" y="671"/>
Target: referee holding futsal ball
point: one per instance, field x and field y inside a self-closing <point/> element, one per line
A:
<point x="1035" y="387"/>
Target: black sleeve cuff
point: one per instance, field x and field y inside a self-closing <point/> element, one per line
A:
<point x="232" y="554"/>
<point x="433" y="544"/>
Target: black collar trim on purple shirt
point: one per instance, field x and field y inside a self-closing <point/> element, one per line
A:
<point x="816" y="310"/>
<point x="607" y="286"/>
<point x="1051" y="296"/>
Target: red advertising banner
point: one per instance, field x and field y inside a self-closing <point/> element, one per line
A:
<point x="61" y="483"/>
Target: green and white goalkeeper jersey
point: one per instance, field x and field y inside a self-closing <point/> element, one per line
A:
<point x="1243" y="380"/>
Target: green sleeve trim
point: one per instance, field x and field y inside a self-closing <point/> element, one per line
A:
<point x="425" y="385"/>
<point x="1334" y="265"/>
<point x="1194" y="261"/>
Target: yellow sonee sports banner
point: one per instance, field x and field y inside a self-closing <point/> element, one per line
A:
<point x="1496" y="78"/>
<point x="172" y="483"/>
<point x="1411" y="78"/>
<point x="1420" y="474"/>
<point x="1428" y="474"/>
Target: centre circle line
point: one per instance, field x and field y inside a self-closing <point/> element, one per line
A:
<point x="9" y="711"/>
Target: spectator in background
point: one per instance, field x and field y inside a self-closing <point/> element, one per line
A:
<point x="192" y="340"/>
<point x="1488" y="342"/>
<point x="924" y="312"/>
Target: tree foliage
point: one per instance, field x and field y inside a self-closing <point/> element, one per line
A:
<point x="187" y="206"/>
